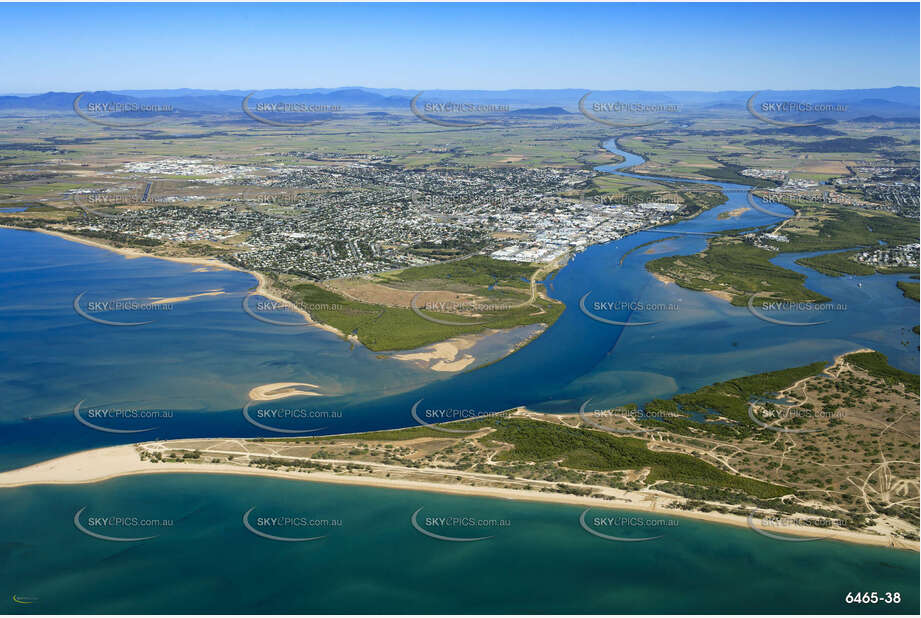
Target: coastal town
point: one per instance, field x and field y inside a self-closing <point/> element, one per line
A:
<point x="325" y="222"/>
<point x="889" y="189"/>
<point x="901" y="256"/>
<point x="460" y="309"/>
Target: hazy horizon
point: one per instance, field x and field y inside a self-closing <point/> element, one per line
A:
<point x="237" y="90"/>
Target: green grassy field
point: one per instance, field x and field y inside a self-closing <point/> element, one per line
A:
<point x="384" y="328"/>
<point x="477" y="270"/>
<point x="719" y="145"/>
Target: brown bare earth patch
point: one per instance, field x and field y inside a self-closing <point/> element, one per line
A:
<point x="376" y="293"/>
<point x="823" y="167"/>
<point x="509" y="236"/>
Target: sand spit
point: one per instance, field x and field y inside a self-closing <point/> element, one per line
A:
<point x="111" y="462"/>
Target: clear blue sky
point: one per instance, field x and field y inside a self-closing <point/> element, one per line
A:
<point x="75" y="47"/>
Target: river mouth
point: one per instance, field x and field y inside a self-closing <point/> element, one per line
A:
<point x="680" y="340"/>
<point x="675" y="341"/>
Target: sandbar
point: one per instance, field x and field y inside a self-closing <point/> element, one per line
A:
<point x="280" y="390"/>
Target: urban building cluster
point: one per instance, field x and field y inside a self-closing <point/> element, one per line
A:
<point x="901" y="256"/>
<point x="332" y="221"/>
<point x="893" y="189"/>
<point x="766" y="174"/>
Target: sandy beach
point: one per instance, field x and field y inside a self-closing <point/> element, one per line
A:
<point x="102" y="464"/>
<point x="441" y="357"/>
<point x="262" y="287"/>
<point x="662" y="278"/>
<point x="129" y="252"/>
<point x="717" y="293"/>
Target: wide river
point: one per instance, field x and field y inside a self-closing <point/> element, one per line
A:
<point x="199" y="360"/>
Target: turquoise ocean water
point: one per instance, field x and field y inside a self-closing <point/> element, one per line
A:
<point x="199" y="360"/>
<point x="372" y="559"/>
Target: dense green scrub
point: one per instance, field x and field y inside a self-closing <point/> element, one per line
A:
<point x="597" y="450"/>
<point x="837" y="264"/>
<point x="877" y="365"/>
<point x="909" y="289"/>
<point x="737" y="268"/>
<point x="734" y="265"/>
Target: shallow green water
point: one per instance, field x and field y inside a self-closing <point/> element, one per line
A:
<point x="375" y="561"/>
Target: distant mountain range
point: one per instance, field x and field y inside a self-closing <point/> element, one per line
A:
<point x="899" y="102"/>
<point x="541" y="111"/>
